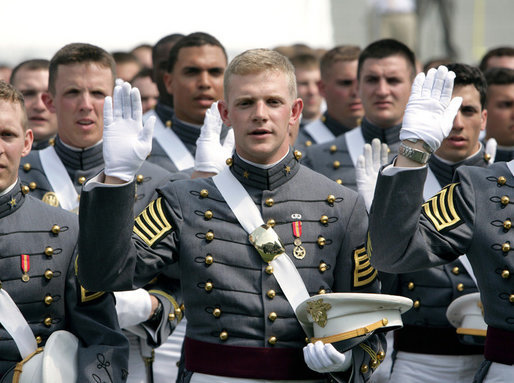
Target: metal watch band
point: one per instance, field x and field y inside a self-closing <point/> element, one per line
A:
<point x="415" y="155"/>
<point x="425" y="145"/>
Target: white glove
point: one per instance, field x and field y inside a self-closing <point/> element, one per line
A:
<point x="133" y="307"/>
<point x="126" y="142"/>
<point x="490" y="148"/>
<point x="430" y="111"/>
<point x="210" y="153"/>
<point x="368" y="164"/>
<point x="324" y="358"/>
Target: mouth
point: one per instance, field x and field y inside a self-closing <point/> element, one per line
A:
<point x="85" y="122"/>
<point x="261" y="132"/>
<point x="457" y="140"/>
<point x="37" y="119"/>
<point x="383" y="104"/>
<point x="356" y="105"/>
<point x="204" y="100"/>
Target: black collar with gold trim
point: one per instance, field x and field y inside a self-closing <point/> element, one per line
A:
<point x="11" y="201"/>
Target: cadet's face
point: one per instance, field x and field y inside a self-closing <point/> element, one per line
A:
<point x="462" y="141"/>
<point x="500" y="114"/>
<point x="384" y="87"/>
<point x="501" y="62"/>
<point x="262" y="112"/>
<point x="127" y="71"/>
<point x="33" y="84"/>
<point x="80" y="90"/>
<point x="307" y="85"/>
<point x="14" y="142"/>
<point x="196" y="81"/>
<point x="149" y="92"/>
<point x="339" y="87"/>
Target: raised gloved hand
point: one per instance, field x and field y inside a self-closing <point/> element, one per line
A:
<point x="126" y="142"/>
<point x="325" y="358"/>
<point x="368" y="164"/>
<point x="431" y="110"/>
<point x="210" y="153"/>
<point x="490" y="148"/>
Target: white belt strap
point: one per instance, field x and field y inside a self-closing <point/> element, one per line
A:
<point x="319" y="132"/>
<point x="172" y="145"/>
<point x="355" y="143"/>
<point x="432" y="186"/>
<point x="15" y="324"/>
<point x="250" y="218"/>
<point x="59" y="179"/>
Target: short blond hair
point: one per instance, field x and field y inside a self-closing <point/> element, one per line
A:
<point x="255" y="61"/>
<point x="11" y="95"/>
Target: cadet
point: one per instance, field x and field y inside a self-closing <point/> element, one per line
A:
<point x="239" y="323"/>
<point x="469" y="216"/>
<point x="499" y="57"/>
<point x="385" y="72"/>
<point x="38" y="250"/>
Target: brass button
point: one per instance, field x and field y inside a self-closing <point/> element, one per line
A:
<point x="307" y="340"/>
<point x="224" y="335"/>
<point x="336" y="164"/>
<point x="82" y="180"/>
<point x="269" y="202"/>
<point x="49" y="251"/>
<point x="272" y="340"/>
<point x="410" y="286"/>
<point x="364" y="368"/>
<point x="487" y="156"/>
<point x="271" y="222"/>
<point x="26" y="167"/>
<point x="182" y="307"/>
<point x="505" y="200"/>
<point x="209" y="286"/>
<point x="416" y="304"/>
<point x="32" y="185"/>
<point x="208" y="214"/>
<point x="48" y="321"/>
<point x="171" y="317"/>
<point x="339" y="181"/>
<point x="56" y="229"/>
<point x="322" y="241"/>
<point x="505" y="274"/>
<point x="271" y="294"/>
<point x="48" y="300"/>
<point x="297" y="154"/>
<point x="502" y="180"/>
<point x="322" y="291"/>
<point x="272" y="316"/>
<point x="511" y="298"/>
<point x="209" y="236"/>
<point x="324" y="219"/>
<point x="229" y="161"/>
<point x="49" y="274"/>
<point x="168" y="124"/>
<point x="39" y="339"/>
<point x="385" y="321"/>
<point x="308" y="143"/>
<point x="269" y="269"/>
<point x="333" y="148"/>
<point x="140" y="178"/>
<point x="506" y="247"/>
<point x="178" y="312"/>
<point x="381" y="355"/>
<point x="460" y="287"/>
<point x="331" y="199"/>
<point x="216" y="312"/>
<point x="51" y="141"/>
<point x="209" y="259"/>
<point x="374" y="364"/>
<point x="507" y="224"/>
<point x="456" y="270"/>
<point x="25" y="189"/>
<point x="322" y="267"/>
<point x="204" y="193"/>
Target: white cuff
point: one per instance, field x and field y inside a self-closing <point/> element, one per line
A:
<point x="98" y="181"/>
<point x="391" y="170"/>
<point x="132" y="307"/>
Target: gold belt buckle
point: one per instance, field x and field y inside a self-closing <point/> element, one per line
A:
<point x="267" y="243"/>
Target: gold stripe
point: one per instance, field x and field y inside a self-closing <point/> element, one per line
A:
<point x="440" y="209"/>
<point x="362" y="268"/>
<point x="368" y="280"/>
<point x="144" y="223"/>
<point x="170" y="298"/>
<point x="147" y="232"/>
<point x="365" y="272"/>
<point x="84" y="297"/>
<point x="155" y="215"/>
<point x="148" y="220"/>
<point x="352" y="333"/>
<point x="365" y="264"/>
<point x="161" y="214"/>
<point x="471" y="331"/>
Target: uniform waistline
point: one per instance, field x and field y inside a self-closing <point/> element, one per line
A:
<point x="246" y="362"/>
<point x="498" y="345"/>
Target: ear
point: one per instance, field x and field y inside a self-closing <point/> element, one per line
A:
<point x="296" y="111"/>
<point x="27" y="146"/>
<point x="48" y="101"/>
<point x="168" y="82"/>
<point x="223" y="109"/>
<point x="322" y="88"/>
<point x="483" y="119"/>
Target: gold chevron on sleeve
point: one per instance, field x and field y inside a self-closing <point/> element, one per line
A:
<point x="88" y="296"/>
<point x="363" y="272"/>
<point x="152" y="225"/>
<point x="440" y="209"/>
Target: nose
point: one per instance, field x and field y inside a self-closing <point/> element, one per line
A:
<point x="204" y="80"/>
<point x="458" y="122"/>
<point x="260" y="113"/>
<point x="86" y="101"/>
<point x="39" y="105"/>
<point x="382" y="87"/>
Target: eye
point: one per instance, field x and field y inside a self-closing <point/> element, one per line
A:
<point x="216" y="72"/>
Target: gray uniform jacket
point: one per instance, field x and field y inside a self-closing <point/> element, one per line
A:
<point x="333" y="160"/>
<point x="52" y="299"/>
<point x="304" y="139"/>
<point x="470" y="216"/>
<point x="239" y="323"/>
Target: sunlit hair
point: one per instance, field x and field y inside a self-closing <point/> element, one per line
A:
<point x="343" y="53"/>
<point x="11" y="95"/>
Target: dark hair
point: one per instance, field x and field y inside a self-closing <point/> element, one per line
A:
<point x="470" y="75"/>
<point x="145" y="72"/>
<point x="34" y="64"/>
<point x="495" y="52"/>
<point x="169" y="39"/>
<point x="78" y="53"/>
<point x="197" y="39"/>
<point x="305" y="61"/>
<point x="499" y="76"/>
<point x="386" y="48"/>
<point x="121" y="57"/>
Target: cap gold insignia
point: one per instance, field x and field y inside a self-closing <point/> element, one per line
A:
<point x="50" y="198"/>
<point x="318" y="311"/>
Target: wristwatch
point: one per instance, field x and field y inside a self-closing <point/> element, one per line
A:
<point x="415" y="155"/>
<point x="425" y="145"/>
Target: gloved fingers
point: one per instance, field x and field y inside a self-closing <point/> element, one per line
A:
<point x="439" y="81"/>
<point x="212" y="123"/>
<point x="320" y="356"/>
<point x="125" y="100"/>
<point x="490" y="148"/>
<point x="375" y="151"/>
<point x="417" y="86"/>
<point x="229" y="142"/>
<point x="117" y="105"/>
<point x="384" y="155"/>
<point x="446" y="94"/>
<point x="146" y="133"/>
<point x="118" y="82"/>
<point x="108" y="116"/>
<point x="449" y="115"/>
<point x="136" y="106"/>
<point x="310" y="358"/>
<point x="360" y="166"/>
<point x="368" y="158"/>
<point x="428" y="84"/>
<point x="335" y="356"/>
